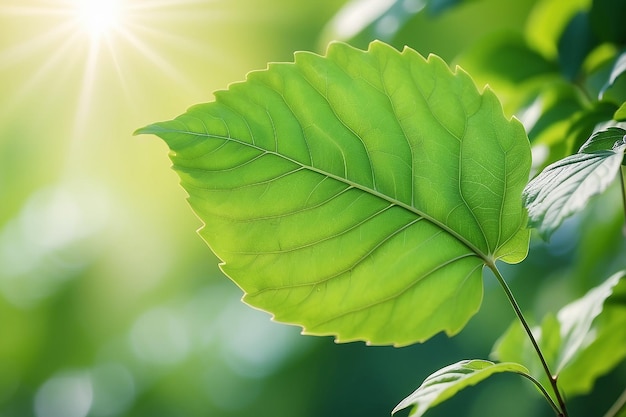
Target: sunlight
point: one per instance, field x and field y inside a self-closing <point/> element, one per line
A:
<point x="96" y="55"/>
<point x="99" y="17"/>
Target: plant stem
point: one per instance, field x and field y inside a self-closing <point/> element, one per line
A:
<point x="617" y="407"/>
<point x="545" y="393"/>
<point x="562" y="412"/>
<point x="623" y="182"/>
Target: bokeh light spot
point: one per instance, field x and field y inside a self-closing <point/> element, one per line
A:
<point x="160" y="336"/>
<point x="67" y="394"/>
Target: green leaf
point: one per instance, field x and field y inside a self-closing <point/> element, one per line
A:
<point x="366" y="19"/>
<point x="495" y="60"/>
<point x="615" y="88"/>
<point x="607" y="20"/>
<point x="564" y="187"/>
<point x="499" y="57"/>
<point x="575" y="43"/>
<point x="586" y="339"/>
<point x="358" y="194"/>
<point x="447" y="382"/>
<point x="548" y="20"/>
<point x="613" y="138"/>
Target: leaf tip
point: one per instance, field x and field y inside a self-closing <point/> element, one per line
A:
<point x="151" y="129"/>
<point x="142" y="131"/>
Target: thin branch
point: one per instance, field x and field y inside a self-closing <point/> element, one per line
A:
<point x="562" y="412"/>
<point x="618" y="406"/>
<point x="545" y="393"/>
<point x="623" y="183"/>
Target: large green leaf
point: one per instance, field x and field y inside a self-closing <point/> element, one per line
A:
<point x="564" y="187"/>
<point x="357" y="194"/>
<point x="586" y="338"/>
<point x="446" y="382"/>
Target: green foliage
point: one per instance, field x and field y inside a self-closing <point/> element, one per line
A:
<point x="448" y="381"/>
<point x="583" y="341"/>
<point x="384" y="19"/>
<point x="392" y="206"/>
<point x="564" y="187"/>
<point x="360" y="194"/>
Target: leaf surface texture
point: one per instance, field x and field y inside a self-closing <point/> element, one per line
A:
<point x="356" y="194"/>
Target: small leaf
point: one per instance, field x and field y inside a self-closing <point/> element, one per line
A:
<point x="603" y="346"/>
<point x="576" y="319"/>
<point x="447" y="382"/>
<point x="586" y="339"/>
<point x="368" y="222"/>
<point x="564" y="187"/>
<point x="613" y="138"/>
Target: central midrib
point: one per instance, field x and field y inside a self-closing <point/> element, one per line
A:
<point x="487" y="259"/>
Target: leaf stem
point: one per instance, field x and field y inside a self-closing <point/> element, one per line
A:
<point x="545" y="394"/>
<point x="618" y="406"/>
<point x="623" y="182"/>
<point x="561" y="409"/>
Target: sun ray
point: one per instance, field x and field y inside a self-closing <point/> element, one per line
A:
<point x="71" y="48"/>
<point x="161" y="63"/>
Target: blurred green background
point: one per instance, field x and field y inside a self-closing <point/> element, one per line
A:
<point x="111" y="305"/>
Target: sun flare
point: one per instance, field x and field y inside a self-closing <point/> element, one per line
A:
<point x="87" y="54"/>
<point x="98" y="17"/>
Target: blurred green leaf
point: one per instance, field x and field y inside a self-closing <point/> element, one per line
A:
<point x="615" y="88"/>
<point x="584" y="123"/>
<point x="556" y="108"/>
<point x="620" y="114"/>
<point x="343" y="217"/>
<point x="505" y="57"/>
<point x="586" y="339"/>
<point x="448" y="381"/>
<point x="505" y="62"/>
<point x="603" y="347"/>
<point x="564" y="187"/>
<point x="607" y="20"/>
<point x="575" y="43"/>
<point x="576" y="319"/>
<point x="365" y="20"/>
<point x="547" y="22"/>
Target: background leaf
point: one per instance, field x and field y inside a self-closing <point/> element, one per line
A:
<point x="547" y="22"/>
<point x="620" y="114"/>
<point x="359" y="221"/>
<point x="576" y="41"/>
<point x="564" y="187"/>
<point x="446" y="382"/>
<point x="607" y="20"/>
<point x="586" y="339"/>
<point x="363" y="20"/>
<point x="615" y="88"/>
